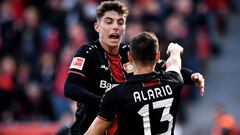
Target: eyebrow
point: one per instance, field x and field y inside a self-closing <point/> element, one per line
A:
<point x="121" y="19"/>
<point x="108" y="18"/>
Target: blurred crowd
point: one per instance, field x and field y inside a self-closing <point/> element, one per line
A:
<point x="39" y="37"/>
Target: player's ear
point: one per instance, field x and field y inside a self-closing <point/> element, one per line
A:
<point x="130" y="57"/>
<point x="157" y="56"/>
<point x="96" y="26"/>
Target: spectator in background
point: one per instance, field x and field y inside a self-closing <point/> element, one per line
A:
<point x="7" y="85"/>
<point x="133" y="28"/>
<point x="23" y="77"/>
<point x="9" y="44"/>
<point x="61" y="104"/>
<point x="30" y="36"/>
<point x="46" y="70"/>
<point x="223" y="123"/>
<point x="37" y="105"/>
<point x="54" y="15"/>
<point x="87" y="16"/>
<point x="74" y="30"/>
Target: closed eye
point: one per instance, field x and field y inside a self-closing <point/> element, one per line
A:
<point x="121" y="21"/>
<point x="108" y="20"/>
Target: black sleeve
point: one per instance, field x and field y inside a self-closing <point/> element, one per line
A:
<point x="186" y="73"/>
<point x="74" y="90"/>
<point x="109" y="105"/>
<point x="176" y="77"/>
<point x="76" y="86"/>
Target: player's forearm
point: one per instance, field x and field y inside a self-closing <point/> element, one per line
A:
<point x="98" y="127"/>
<point x="174" y="61"/>
<point x="77" y="93"/>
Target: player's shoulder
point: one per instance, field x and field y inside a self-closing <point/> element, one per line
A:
<point x="117" y="89"/>
<point x="124" y="47"/>
<point x="173" y="76"/>
<point x="88" y="47"/>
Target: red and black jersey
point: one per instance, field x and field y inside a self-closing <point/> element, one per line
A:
<point x="99" y="69"/>
<point x="145" y="104"/>
<point x="92" y="72"/>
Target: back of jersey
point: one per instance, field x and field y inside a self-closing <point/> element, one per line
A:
<point x="149" y="103"/>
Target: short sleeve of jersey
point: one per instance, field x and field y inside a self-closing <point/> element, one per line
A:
<point x="175" y="77"/>
<point x="81" y="61"/>
<point x="109" y="105"/>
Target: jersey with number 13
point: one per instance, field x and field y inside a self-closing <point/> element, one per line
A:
<point x="145" y="104"/>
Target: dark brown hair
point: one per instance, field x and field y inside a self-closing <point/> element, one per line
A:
<point x="116" y="6"/>
<point x="143" y="48"/>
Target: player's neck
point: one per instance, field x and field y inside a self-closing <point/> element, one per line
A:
<point x="138" y="70"/>
<point x="109" y="49"/>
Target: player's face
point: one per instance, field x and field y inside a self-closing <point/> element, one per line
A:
<point x="111" y="28"/>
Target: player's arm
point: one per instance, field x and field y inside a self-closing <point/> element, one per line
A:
<point x="189" y="76"/>
<point x="174" y="61"/>
<point x="196" y="78"/>
<point x="98" y="127"/>
<point x="75" y="85"/>
<point x="107" y="111"/>
<point x="74" y="90"/>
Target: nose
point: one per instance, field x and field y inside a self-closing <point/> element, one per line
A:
<point x="115" y="26"/>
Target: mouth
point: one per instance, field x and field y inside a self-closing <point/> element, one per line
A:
<point x="114" y="36"/>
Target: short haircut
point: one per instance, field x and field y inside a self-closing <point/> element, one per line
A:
<point x="116" y="6"/>
<point x="144" y="47"/>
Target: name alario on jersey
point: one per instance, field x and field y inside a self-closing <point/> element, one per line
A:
<point x="153" y="93"/>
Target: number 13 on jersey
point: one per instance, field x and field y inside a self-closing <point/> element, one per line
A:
<point x="166" y="116"/>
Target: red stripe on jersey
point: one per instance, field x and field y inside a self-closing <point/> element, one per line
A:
<point x="101" y="118"/>
<point x="74" y="72"/>
<point x="151" y="83"/>
<point x="115" y="68"/>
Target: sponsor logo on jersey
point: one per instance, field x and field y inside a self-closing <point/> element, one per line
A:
<point x="128" y="67"/>
<point x="77" y="63"/>
<point x="108" y="86"/>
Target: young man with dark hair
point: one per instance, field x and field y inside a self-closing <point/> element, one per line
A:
<point x="147" y="103"/>
<point x="99" y="65"/>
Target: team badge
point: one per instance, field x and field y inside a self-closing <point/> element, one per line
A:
<point x="77" y="63"/>
<point x="128" y="67"/>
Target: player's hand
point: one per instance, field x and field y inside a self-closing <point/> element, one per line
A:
<point x="174" y="47"/>
<point x="198" y="80"/>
